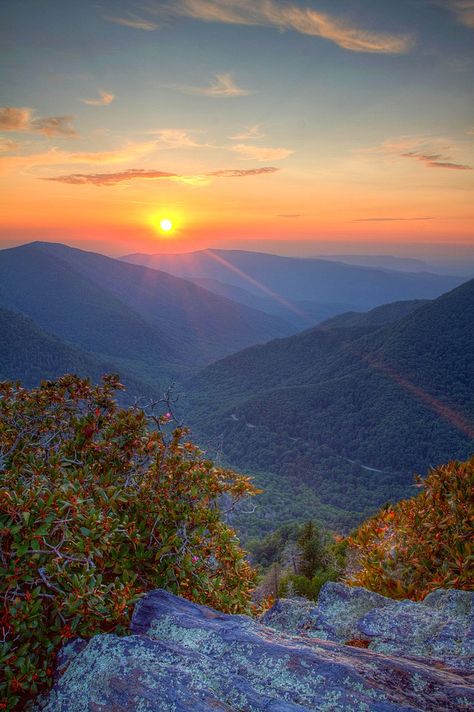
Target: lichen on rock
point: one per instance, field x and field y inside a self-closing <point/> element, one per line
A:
<point x="184" y="657"/>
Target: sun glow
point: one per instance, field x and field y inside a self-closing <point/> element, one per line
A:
<point x="166" y="225"/>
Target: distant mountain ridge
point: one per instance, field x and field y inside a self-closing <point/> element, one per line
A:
<point x="147" y="322"/>
<point x="303" y="290"/>
<point x="350" y="409"/>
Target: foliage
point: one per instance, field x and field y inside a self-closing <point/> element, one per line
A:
<point x="297" y="559"/>
<point x="312" y="551"/>
<point x="299" y="585"/>
<point x="423" y="543"/>
<point x="97" y="507"/>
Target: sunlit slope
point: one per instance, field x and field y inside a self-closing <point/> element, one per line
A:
<point x="125" y="311"/>
<point x="351" y="411"/>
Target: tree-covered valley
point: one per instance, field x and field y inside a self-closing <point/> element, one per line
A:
<point x="331" y="422"/>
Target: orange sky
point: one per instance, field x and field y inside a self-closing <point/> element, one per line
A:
<point x="332" y="131"/>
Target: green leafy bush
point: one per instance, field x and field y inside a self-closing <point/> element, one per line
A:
<point x="423" y="543"/>
<point x="97" y="507"/>
<point x="299" y="585"/>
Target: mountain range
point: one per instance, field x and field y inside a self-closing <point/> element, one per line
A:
<point x="332" y="421"/>
<point x="149" y="323"/>
<point x="303" y="291"/>
<point x="341" y="415"/>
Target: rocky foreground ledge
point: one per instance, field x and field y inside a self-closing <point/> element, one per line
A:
<point x="182" y="657"/>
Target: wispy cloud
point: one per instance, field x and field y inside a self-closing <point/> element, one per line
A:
<point x="7" y="145"/>
<point x="249" y="134"/>
<point x="55" y="156"/>
<point x="18" y="119"/>
<point x="222" y="87"/>
<point x="261" y="153"/>
<point x="108" y="179"/>
<point x="242" y="172"/>
<point x="104" y="99"/>
<point x="176" y="138"/>
<point x="464" y="11"/>
<point x="135" y="22"/>
<point x="289" y="215"/>
<point x="431" y="151"/>
<point x="436" y="160"/>
<point x="383" y="219"/>
<point x="282" y="17"/>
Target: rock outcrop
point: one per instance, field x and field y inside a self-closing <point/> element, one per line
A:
<point x="440" y="628"/>
<point x="183" y="657"/>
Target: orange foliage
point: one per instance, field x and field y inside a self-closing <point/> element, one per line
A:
<point x="423" y="543"/>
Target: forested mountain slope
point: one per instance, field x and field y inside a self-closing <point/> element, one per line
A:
<point x="30" y="355"/>
<point x="352" y="411"/>
<point x="150" y="320"/>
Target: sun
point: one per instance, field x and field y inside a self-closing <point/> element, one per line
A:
<point x="166" y="225"/>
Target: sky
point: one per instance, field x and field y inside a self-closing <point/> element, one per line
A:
<point x="299" y="127"/>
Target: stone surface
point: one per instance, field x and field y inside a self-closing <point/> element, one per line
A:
<point x="335" y="618"/>
<point x="182" y="657"/>
<point x="440" y="628"/>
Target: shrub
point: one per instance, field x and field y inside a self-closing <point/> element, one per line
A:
<point x="300" y="585"/>
<point x="97" y="507"/>
<point x="423" y="543"/>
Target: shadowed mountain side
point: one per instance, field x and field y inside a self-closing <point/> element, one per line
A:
<point x="379" y="316"/>
<point x="301" y="279"/>
<point x="30" y="355"/>
<point x="351" y="412"/>
<point x="300" y="315"/>
<point x="127" y="311"/>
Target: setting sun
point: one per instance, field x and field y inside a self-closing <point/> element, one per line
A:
<point x="166" y="225"/>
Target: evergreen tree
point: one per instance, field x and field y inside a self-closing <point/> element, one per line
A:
<point x="312" y="550"/>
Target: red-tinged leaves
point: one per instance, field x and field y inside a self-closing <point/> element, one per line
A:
<point x="423" y="543"/>
<point x="96" y="509"/>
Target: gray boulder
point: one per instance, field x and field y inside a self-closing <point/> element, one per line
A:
<point x="335" y="617"/>
<point x="439" y="628"/>
<point x="183" y="657"/>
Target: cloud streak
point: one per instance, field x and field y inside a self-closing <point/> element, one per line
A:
<point x="383" y="219"/>
<point x="105" y="99"/>
<point x="176" y="138"/>
<point x="436" y="160"/>
<point x="261" y="153"/>
<point x="251" y="133"/>
<point x="18" y="119"/>
<point x="464" y="11"/>
<point x="135" y="22"/>
<point x="109" y="179"/>
<point x="55" y="156"/>
<point x="223" y="87"/>
<point x="304" y="20"/>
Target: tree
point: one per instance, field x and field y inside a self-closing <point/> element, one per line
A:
<point x="99" y="504"/>
<point x="312" y="550"/>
